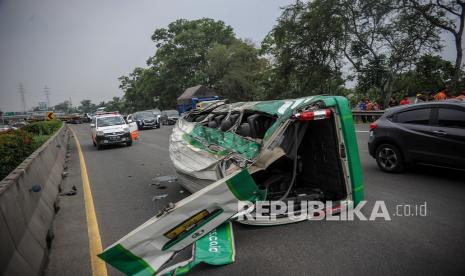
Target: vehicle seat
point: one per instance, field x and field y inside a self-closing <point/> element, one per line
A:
<point x="212" y="124"/>
<point x="225" y="124"/>
<point x="200" y="118"/>
<point x="259" y="124"/>
<point x="218" y="119"/>
<point x="244" y="130"/>
<point x="234" y="118"/>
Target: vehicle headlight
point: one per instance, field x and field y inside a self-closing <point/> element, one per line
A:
<point x="126" y="129"/>
<point x="100" y="133"/>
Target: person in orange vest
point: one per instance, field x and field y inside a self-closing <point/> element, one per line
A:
<point x="440" y="96"/>
<point x="404" y="101"/>
<point x="461" y="96"/>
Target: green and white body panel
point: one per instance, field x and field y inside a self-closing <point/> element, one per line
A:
<point x="215" y="248"/>
<point x="147" y="248"/>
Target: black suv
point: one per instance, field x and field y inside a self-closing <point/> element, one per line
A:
<point x="430" y="132"/>
<point x="144" y="119"/>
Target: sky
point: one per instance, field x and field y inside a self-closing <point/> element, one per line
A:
<point x="79" y="48"/>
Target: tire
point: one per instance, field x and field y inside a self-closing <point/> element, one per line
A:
<point x="389" y="158"/>
<point x="129" y="143"/>
<point x="99" y="146"/>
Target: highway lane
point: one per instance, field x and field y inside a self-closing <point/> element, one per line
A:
<point x="121" y="176"/>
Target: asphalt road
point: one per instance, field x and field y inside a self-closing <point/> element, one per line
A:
<point x="121" y="180"/>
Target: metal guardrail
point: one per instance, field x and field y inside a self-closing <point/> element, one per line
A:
<point x="366" y="116"/>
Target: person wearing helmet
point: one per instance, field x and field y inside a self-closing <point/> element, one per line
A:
<point x="420" y="98"/>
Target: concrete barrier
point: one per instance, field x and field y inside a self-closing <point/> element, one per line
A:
<point x="26" y="213"/>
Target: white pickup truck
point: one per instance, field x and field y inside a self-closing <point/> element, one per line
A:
<point x="108" y="129"/>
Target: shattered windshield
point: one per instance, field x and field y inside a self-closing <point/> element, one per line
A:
<point x="110" y="121"/>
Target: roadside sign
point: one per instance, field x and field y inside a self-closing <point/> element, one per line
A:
<point x="50" y="116"/>
<point x="9" y="113"/>
<point x="42" y="106"/>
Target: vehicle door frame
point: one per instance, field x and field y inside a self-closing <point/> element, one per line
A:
<point x="447" y="148"/>
<point x="414" y="150"/>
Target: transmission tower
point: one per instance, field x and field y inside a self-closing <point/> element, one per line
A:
<point x="47" y="95"/>
<point x="21" y="92"/>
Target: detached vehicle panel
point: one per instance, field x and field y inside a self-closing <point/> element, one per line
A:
<point x="295" y="150"/>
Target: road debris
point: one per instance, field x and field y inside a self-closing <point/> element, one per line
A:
<point x="71" y="192"/>
<point x="165" y="178"/>
<point x="157" y="197"/>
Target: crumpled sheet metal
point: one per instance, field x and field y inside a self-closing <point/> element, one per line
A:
<point x="189" y="159"/>
<point x="147" y="248"/>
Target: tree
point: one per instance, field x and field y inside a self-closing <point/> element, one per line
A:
<point x="87" y="106"/>
<point x="64" y="107"/>
<point x="181" y="57"/>
<point x="189" y="53"/>
<point x="439" y="14"/>
<point x="383" y="41"/>
<point x="305" y="48"/>
<point x="116" y="104"/>
<point x="139" y="89"/>
<point x="430" y="75"/>
<point x="235" y="71"/>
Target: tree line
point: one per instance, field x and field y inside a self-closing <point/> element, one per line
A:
<point x="357" y="48"/>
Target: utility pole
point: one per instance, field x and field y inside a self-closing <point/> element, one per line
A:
<point x="21" y="92"/>
<point x="47" y="95"/>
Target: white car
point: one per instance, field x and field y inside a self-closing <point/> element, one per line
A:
<point x="108" y="129"/>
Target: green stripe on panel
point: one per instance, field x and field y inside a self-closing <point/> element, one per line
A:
<point x="243" y="186"/>
<point x="126" y="261"/>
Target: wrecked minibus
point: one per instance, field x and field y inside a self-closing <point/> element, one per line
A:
<point x="295" y="150"/>
<point x="299" y="150"/>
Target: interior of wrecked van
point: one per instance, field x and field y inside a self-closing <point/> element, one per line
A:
<point x="311" y="169"/>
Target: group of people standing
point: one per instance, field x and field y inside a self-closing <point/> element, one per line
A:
<point x="368" y="105"/>
<point x="425" y="97"/>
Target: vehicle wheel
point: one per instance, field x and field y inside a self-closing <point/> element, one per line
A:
<point x="99" y="146"/>
<point x="129" y="143"/>
<point x="389" y="158"/>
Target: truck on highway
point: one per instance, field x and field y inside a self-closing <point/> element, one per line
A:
<point x="196" y="103"/>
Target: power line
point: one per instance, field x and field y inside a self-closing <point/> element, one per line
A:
<point x="47" y="95"/>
